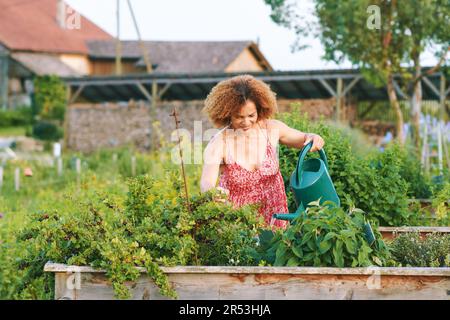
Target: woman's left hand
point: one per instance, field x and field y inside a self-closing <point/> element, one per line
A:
<point x="317" y="140"/>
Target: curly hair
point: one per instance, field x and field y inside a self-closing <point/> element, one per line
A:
<point x="228" y="97"/>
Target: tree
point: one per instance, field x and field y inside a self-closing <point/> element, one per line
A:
<point x="385" y="39"/>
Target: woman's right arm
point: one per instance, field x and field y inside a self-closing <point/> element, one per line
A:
<point x="212" y="158"/>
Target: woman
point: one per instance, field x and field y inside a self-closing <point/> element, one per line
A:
<point x="244" y="151"/>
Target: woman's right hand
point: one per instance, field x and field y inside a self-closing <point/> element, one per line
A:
<point x="220" y="197"/>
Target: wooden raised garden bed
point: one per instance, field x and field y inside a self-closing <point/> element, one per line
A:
<point x="391" y="232"/>
<point x="211" y="283"/>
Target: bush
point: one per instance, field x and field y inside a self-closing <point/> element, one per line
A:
<point x="50" y="97"/>
<point x="48" y="131"/>
<point x="324" y="237"/>
<point x="419" y="185"/>
<point x="441" y="203"/>
<point x="152" y="227"/>
<point x="410" y="250"/>
<point x="16" y="117"/>
<point x="373" y="183"/>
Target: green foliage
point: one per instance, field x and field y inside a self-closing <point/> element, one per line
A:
<point x="441" y="203"/>
<point x="419" y="185"/>
<point x="211" y="234"/>
<point x="151" y="227"/>
<point x="322" y="237"/>
<point x="372" y="183"/>
<point x="433" y="250"/>
<point x="50" y="97"/>
<point x="48" y="131"/>
<point x="16" y="117"/>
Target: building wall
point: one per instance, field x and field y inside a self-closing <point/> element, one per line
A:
<point x="77" y="62"/>
<point x="94" y="126"/>
<point x="108" y="67"/>
<point x="244" y="62"/>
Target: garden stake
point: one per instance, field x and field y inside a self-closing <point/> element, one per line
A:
<point x="175" y="115"/>
<point x="17" y="179"/>
<point x="60" y="166"/>
<point x="133" y="166"/>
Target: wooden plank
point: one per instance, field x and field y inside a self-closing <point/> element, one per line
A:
<point x="211" y="286"/>
<point x="406" y="271"/>
<point x="415" y="229"/>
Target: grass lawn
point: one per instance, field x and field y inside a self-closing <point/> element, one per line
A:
<point x="12" y="131"/>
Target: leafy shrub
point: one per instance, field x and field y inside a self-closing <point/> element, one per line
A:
<point x="410" y="250"/>
<point x="50" y="97"/>
<point x="441" y="203"/>
<point x="48" y="131"/>
<point x="419" y="184"/>
<point x="323" y="237"/>
<point x="211" y="234"/>
<point x="16" y="117"/>
<point x="152" y="227"/>
<point x="373" y="183"/>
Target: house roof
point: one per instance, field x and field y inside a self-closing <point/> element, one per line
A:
<point x="305" y="84"/>
<point x="42" y="64"/>
<point x="31" y="25"/>
<point x="180" y="56"/>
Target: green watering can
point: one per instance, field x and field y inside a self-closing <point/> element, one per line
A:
<point x="310" y="181"/>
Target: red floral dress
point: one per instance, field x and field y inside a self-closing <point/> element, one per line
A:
<point x="264" y="186"/>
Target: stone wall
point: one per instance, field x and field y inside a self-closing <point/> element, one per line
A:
<point x="93" y="126"/>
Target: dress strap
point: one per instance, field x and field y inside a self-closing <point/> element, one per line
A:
<point x="225" y="148"/>
<point x="266" y="134"/>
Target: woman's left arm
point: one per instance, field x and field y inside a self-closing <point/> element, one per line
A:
<point x="294" y="138"/>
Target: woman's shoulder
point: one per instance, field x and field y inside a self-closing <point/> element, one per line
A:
<point x="216" y="142"/>
<point x="275" y="124"/>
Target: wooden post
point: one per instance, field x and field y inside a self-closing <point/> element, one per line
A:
<point x="442" y="97"/>
<point x="17" y="179"/>
<point x="339" y="99"/>
<point x="59" y="164"/>
<point x="439" y="144"/>
<point x="78" y="169"/>
<point x="425" y="148"/>
<point x="118" y="43"/>
<point x="133" y="166"/>
<point x="4" y="68"/>
<point x="441" y="119"/>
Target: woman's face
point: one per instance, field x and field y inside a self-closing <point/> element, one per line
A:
<point x="246" y="118"/>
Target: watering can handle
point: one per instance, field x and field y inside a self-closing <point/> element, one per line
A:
<point x="302" y="156"/>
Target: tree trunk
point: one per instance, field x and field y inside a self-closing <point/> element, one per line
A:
<point x="416" y="105"/>
<point x="395" y="104"/>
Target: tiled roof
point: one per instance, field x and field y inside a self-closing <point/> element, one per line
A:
<point x="176" y="56"/>
<point x="31" y="25"/>
<point x="43" y="64"/>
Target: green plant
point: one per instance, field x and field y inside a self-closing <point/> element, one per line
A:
<point x="419" y="184"/>
<point x="151" y="227"/>
<point x="49" y="131"/>
<point x="15" y="117"/>
<point x="86" y="232"/>
<point x="324" y="236"/>
<point x="441" y="203"/>
<point x="49" y="97"/>
<point x="372" y="182"/>
<point x="210" y="234"/>
<point x="433" y="250"/>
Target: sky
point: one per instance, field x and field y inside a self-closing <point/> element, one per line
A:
<point x="212" y="20"/>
